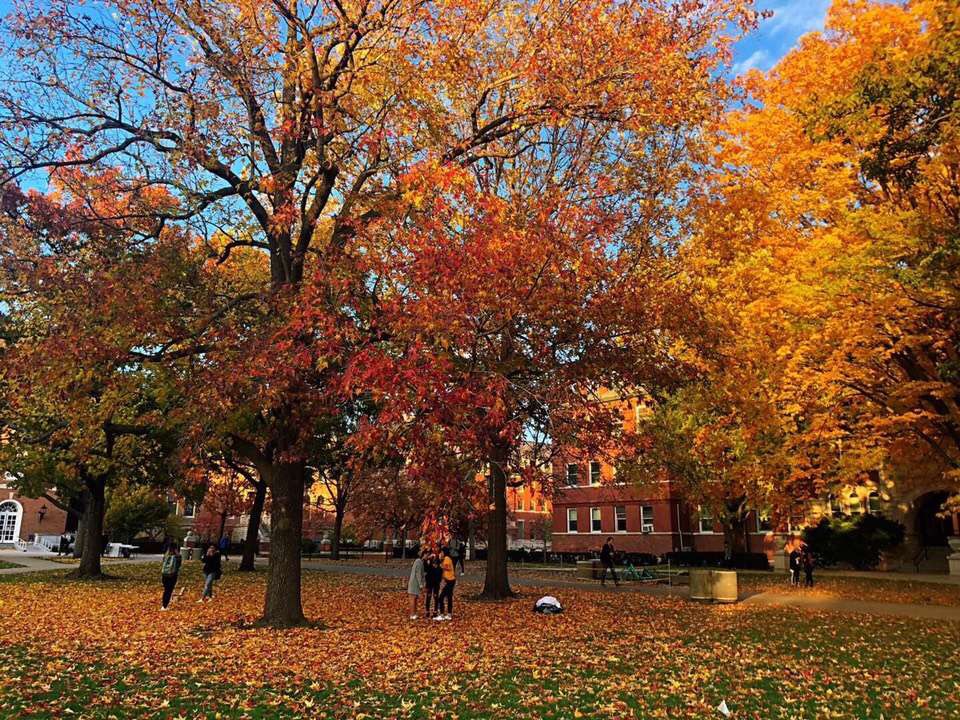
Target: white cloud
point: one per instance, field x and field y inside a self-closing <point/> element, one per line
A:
<point x="796" y="17"/>
<point x="758" y="59"/>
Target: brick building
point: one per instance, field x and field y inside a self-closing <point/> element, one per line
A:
<point x="22" y="519"/>
<point x="529" y="517"/>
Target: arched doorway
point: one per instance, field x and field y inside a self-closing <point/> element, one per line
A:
<point x="11" y="513"/>
<point x="931" y="529"/>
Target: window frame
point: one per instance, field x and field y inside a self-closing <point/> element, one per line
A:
<point x="575" y="476"/>
<point x="599" y="520"/>
<point x="573" y="515"/>
<point x="645" y="526"/>
<point x="704" y="515"/>
<point x="599" y="472"/>
<point x="617" y="518"/>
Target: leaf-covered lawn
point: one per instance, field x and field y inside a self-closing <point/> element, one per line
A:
<point x="855" y="588"/>
<point x="105" y="650"/>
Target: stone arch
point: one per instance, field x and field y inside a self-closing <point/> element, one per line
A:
<point x="11" y="517"/>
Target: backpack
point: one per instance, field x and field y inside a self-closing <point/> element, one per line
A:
<point x="169" y="566"/>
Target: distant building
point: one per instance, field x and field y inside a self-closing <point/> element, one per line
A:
<point x="23" y="520"/>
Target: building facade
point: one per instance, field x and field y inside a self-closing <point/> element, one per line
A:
<point x="24" y="519"/>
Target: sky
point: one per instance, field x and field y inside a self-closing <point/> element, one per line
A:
<point x="778" y="34"/>
<point x="762" y="49"/>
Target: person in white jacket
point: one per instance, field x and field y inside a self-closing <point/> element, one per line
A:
<point x="416" y="584"/>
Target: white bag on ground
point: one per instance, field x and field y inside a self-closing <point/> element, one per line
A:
<point x="548" y="605"/>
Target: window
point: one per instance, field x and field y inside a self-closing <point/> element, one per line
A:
<point x="189" y="508"/>
<point x="763" y="521"/>
<point x="595" y="525"/>
<point x="874" y="503"/>
<point x="706" y="520"/>
<point x="646" y="518"/>
<point x="571" y="520"/>
<point x="835" y="508"/>
<point x="594" y="473"/>
<point x="621" y="514"/>
<point x="854" y="504"/>
<point x="573" y="474"/>
<point x="520" y="530"/>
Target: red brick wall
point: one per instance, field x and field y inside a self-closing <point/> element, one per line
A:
<point x="54" y="519"/>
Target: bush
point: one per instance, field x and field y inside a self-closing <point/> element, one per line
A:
<point x="853" y="541"/>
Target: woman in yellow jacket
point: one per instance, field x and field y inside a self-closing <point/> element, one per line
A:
<point x="449" y="580"/>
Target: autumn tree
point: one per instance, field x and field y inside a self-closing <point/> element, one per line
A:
<point x="290" y="123"/>
<point x="826" y="248"/>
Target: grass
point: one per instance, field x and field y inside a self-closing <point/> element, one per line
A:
<point x="105" y="651"/>
<point x="4" y="565"/>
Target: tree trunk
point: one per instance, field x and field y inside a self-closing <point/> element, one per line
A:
<point x="252" y="541"/>
<point x="92" y="531"/>
<point x="496" y="584"/>
<point x="337" y="532"/>
<point x="282" y="605"/>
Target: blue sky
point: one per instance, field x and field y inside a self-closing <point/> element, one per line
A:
<point x="762" y="49"/>
<point x="776" y="35"/>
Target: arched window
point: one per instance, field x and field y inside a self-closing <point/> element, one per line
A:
<point x="10" y="515"/>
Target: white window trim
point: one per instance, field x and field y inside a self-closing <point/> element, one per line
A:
<point x="599" y="473"/>
<point x="646" y="526"/>
<point x="17" y="517"/>
<point x="592" y="531"/>
<point x="700" y="520"/>
<point x="567" y="476"/>
<point x="575" y="518"/>
<point x="616" y="519"/>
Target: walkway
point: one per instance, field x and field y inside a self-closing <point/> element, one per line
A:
<point x="35" y="562"/>
<point x="763" y="599"/>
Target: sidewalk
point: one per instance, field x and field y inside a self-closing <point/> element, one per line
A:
<point x="761" y="599"/>
<point x="36" y="562"/>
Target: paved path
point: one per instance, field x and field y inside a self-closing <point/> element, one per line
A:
<point x="32" y="562"/>
<point x="763" y="599"/>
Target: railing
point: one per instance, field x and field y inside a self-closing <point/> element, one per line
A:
<point x="23" y="545"/>
<point x="922" y="555"/>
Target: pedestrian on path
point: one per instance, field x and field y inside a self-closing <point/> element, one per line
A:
<point x="449" y="581"/>
<point x="169" y="572"/>
<point x="212" y="571"/>
<point x="457" y="551"/>
<point x="416" y="584"/>
<point x="225" y="546"/>
<point x="808" y="563"/>
<point x="606" y="559"/>
<point x="795" y="562"/>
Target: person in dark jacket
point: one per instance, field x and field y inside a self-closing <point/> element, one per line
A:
<point x="808" y="567"/>
<point x="795" y="567"/>
<point x="433" y="574"/>
<point x="212" y="571"/>
<point x="606" y="559"/>
<point x="169" y="572"/>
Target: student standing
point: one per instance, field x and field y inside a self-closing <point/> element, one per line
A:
<point x="795" y="567"/>
<point x="224" y="546"/>
<point x="433" y="575"/>
<point x="606" y="559"/>
<point x="212" y="571"/>
<point x="169" y="572"/>
<point x="416" y="584"/>
<point x="808" y="567"/>
<point x="449" y="581"/>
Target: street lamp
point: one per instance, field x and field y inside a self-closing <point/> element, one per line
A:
<point x="41" y="513"/>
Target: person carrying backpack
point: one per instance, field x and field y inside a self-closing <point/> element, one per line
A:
<point x="169" y="572"/>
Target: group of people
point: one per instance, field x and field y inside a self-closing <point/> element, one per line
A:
<point x="170" y="572"/>
<point x="434" y="576"/>
<point x="801" y="558"/>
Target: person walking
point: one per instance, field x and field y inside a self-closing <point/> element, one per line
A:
<point x="449" y="581"/>
<point x="808" y="563"/>
<point x="212" y="571"/>
<point x="606" y="559"/>
<point x="169" y="572"/>
<point x="457" y="551"/>
<point x="416" y="584"/>
<point x="795" y="567"/>
<point x="224" y="546"/>
<point x="433" y="575"/>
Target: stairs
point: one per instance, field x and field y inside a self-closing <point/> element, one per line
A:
<point x="934" y="561"/>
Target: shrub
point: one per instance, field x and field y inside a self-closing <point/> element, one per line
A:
<point x="853" y="541"/>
